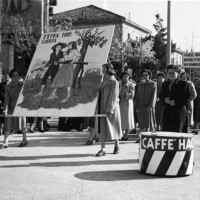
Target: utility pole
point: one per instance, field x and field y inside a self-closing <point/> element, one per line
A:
<point x="1" y="7"/>
<point x="168" y="56"/>
<point x="45" y="16"/>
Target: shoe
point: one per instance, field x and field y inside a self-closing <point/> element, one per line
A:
<point x="41" y="130"/>
<point x="45" y="129"/>
<point x="50" y="98"/>
<point x="23" y="144"/>
<point x="19" y="132"/>
<point x="133" y="131"/>
<point x="137" y="141"/>
<point x="124" y="139"/>
<point x="65" y="100"/>
<point x="195" y="132"/>
<point x="4" y="146"/>
<point x="97" y="140"/>
<point x="100" y="153"/>
<point x="116" y="150"/>
<point x="31" y="131"/>
<point x="89" y="142"/>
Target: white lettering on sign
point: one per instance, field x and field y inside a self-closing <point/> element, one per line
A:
<point x="185" y="144"/>
<point x="67" y="34"/>
<point x="143" y="144"/>
<point x="160" y="143"/>
<point x="182" y="144"/>
<point x="170" y="144"/>
<point x="150" y="144"/>
<point x="157" y="143"/>
<point x="191" y="59"/>
<point x="163" y="143"/>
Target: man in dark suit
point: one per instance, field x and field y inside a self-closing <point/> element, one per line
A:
<point x="175" y="95"/>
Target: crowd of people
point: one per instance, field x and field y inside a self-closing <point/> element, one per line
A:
<point x="169" y="103"/>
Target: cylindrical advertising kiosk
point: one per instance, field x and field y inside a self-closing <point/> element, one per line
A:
<point x="166" y="153"/>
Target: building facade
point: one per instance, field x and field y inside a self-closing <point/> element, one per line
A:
<point x="85" y="17"/>
<point x="92" y="16"/>
<point x="177" y="57"/>
<point x="10" y="58"/>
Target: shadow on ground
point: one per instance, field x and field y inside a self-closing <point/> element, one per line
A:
<point x="74" y="163"/>
<point x="62" y="139"/>
<point x="5" y="158"/>
<point x="116" y="175"/>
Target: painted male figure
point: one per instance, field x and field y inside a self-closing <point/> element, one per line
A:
<point x="53" y="65"/>
<point x="175" y="95"/>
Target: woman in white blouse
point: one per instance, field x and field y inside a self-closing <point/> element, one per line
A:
<point x="64" y="77"/>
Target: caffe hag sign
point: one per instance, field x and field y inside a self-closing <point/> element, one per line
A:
<point x="167" y="143"/>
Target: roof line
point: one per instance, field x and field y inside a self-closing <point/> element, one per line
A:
<point x="123" y="18"/>
<point x="138" y="26"/>
<point x="94" y="7"/>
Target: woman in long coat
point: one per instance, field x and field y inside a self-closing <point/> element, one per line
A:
<point x="126" y="94"/>
<point x="12" y="91"/>
<point x="108" y="104"/>
<point x="145" y="102"/>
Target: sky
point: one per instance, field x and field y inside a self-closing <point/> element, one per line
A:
<point x="185" y="16"/>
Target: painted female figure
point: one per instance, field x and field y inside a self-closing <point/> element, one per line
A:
<point x="64" y="77"/>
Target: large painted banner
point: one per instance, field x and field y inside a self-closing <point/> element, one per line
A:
<point x="65" y="73"/>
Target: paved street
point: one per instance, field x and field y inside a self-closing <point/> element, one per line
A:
<point x="58" y="165"/>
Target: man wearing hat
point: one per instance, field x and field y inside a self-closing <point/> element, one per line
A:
<point x="175" y="95"/>
<point x="52" y="64"/>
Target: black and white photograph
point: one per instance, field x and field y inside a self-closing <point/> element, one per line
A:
<point x="99" y="99"/>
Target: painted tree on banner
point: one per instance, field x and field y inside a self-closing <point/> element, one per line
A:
<point x="87" y="38"/>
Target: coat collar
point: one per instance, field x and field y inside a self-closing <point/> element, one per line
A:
<point x="15" y="84"/>
<point x="125" y="85"/>
<point x="177" y="80"/>
<point x="148" y="82"/>
<point x="106" y="79"/>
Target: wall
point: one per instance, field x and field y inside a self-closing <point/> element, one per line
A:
<point x="132" y="31"/>
<point x="13" y="7"/>
<point x="177" y="58"/>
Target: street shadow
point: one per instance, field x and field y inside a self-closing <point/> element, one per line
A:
<point x="114" y="175"/>
<point x="70" y="139"/>
<point x="74" y="163"/>
<point x="5" y="158"/>
<point x="52" y="140"/>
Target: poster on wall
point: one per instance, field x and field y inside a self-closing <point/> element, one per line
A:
<point x="65" y="73"/>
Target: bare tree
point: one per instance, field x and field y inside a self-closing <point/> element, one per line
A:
<point x="24" y="34"/>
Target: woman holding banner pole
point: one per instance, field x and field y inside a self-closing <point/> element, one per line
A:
<point x="108" y="105"/>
